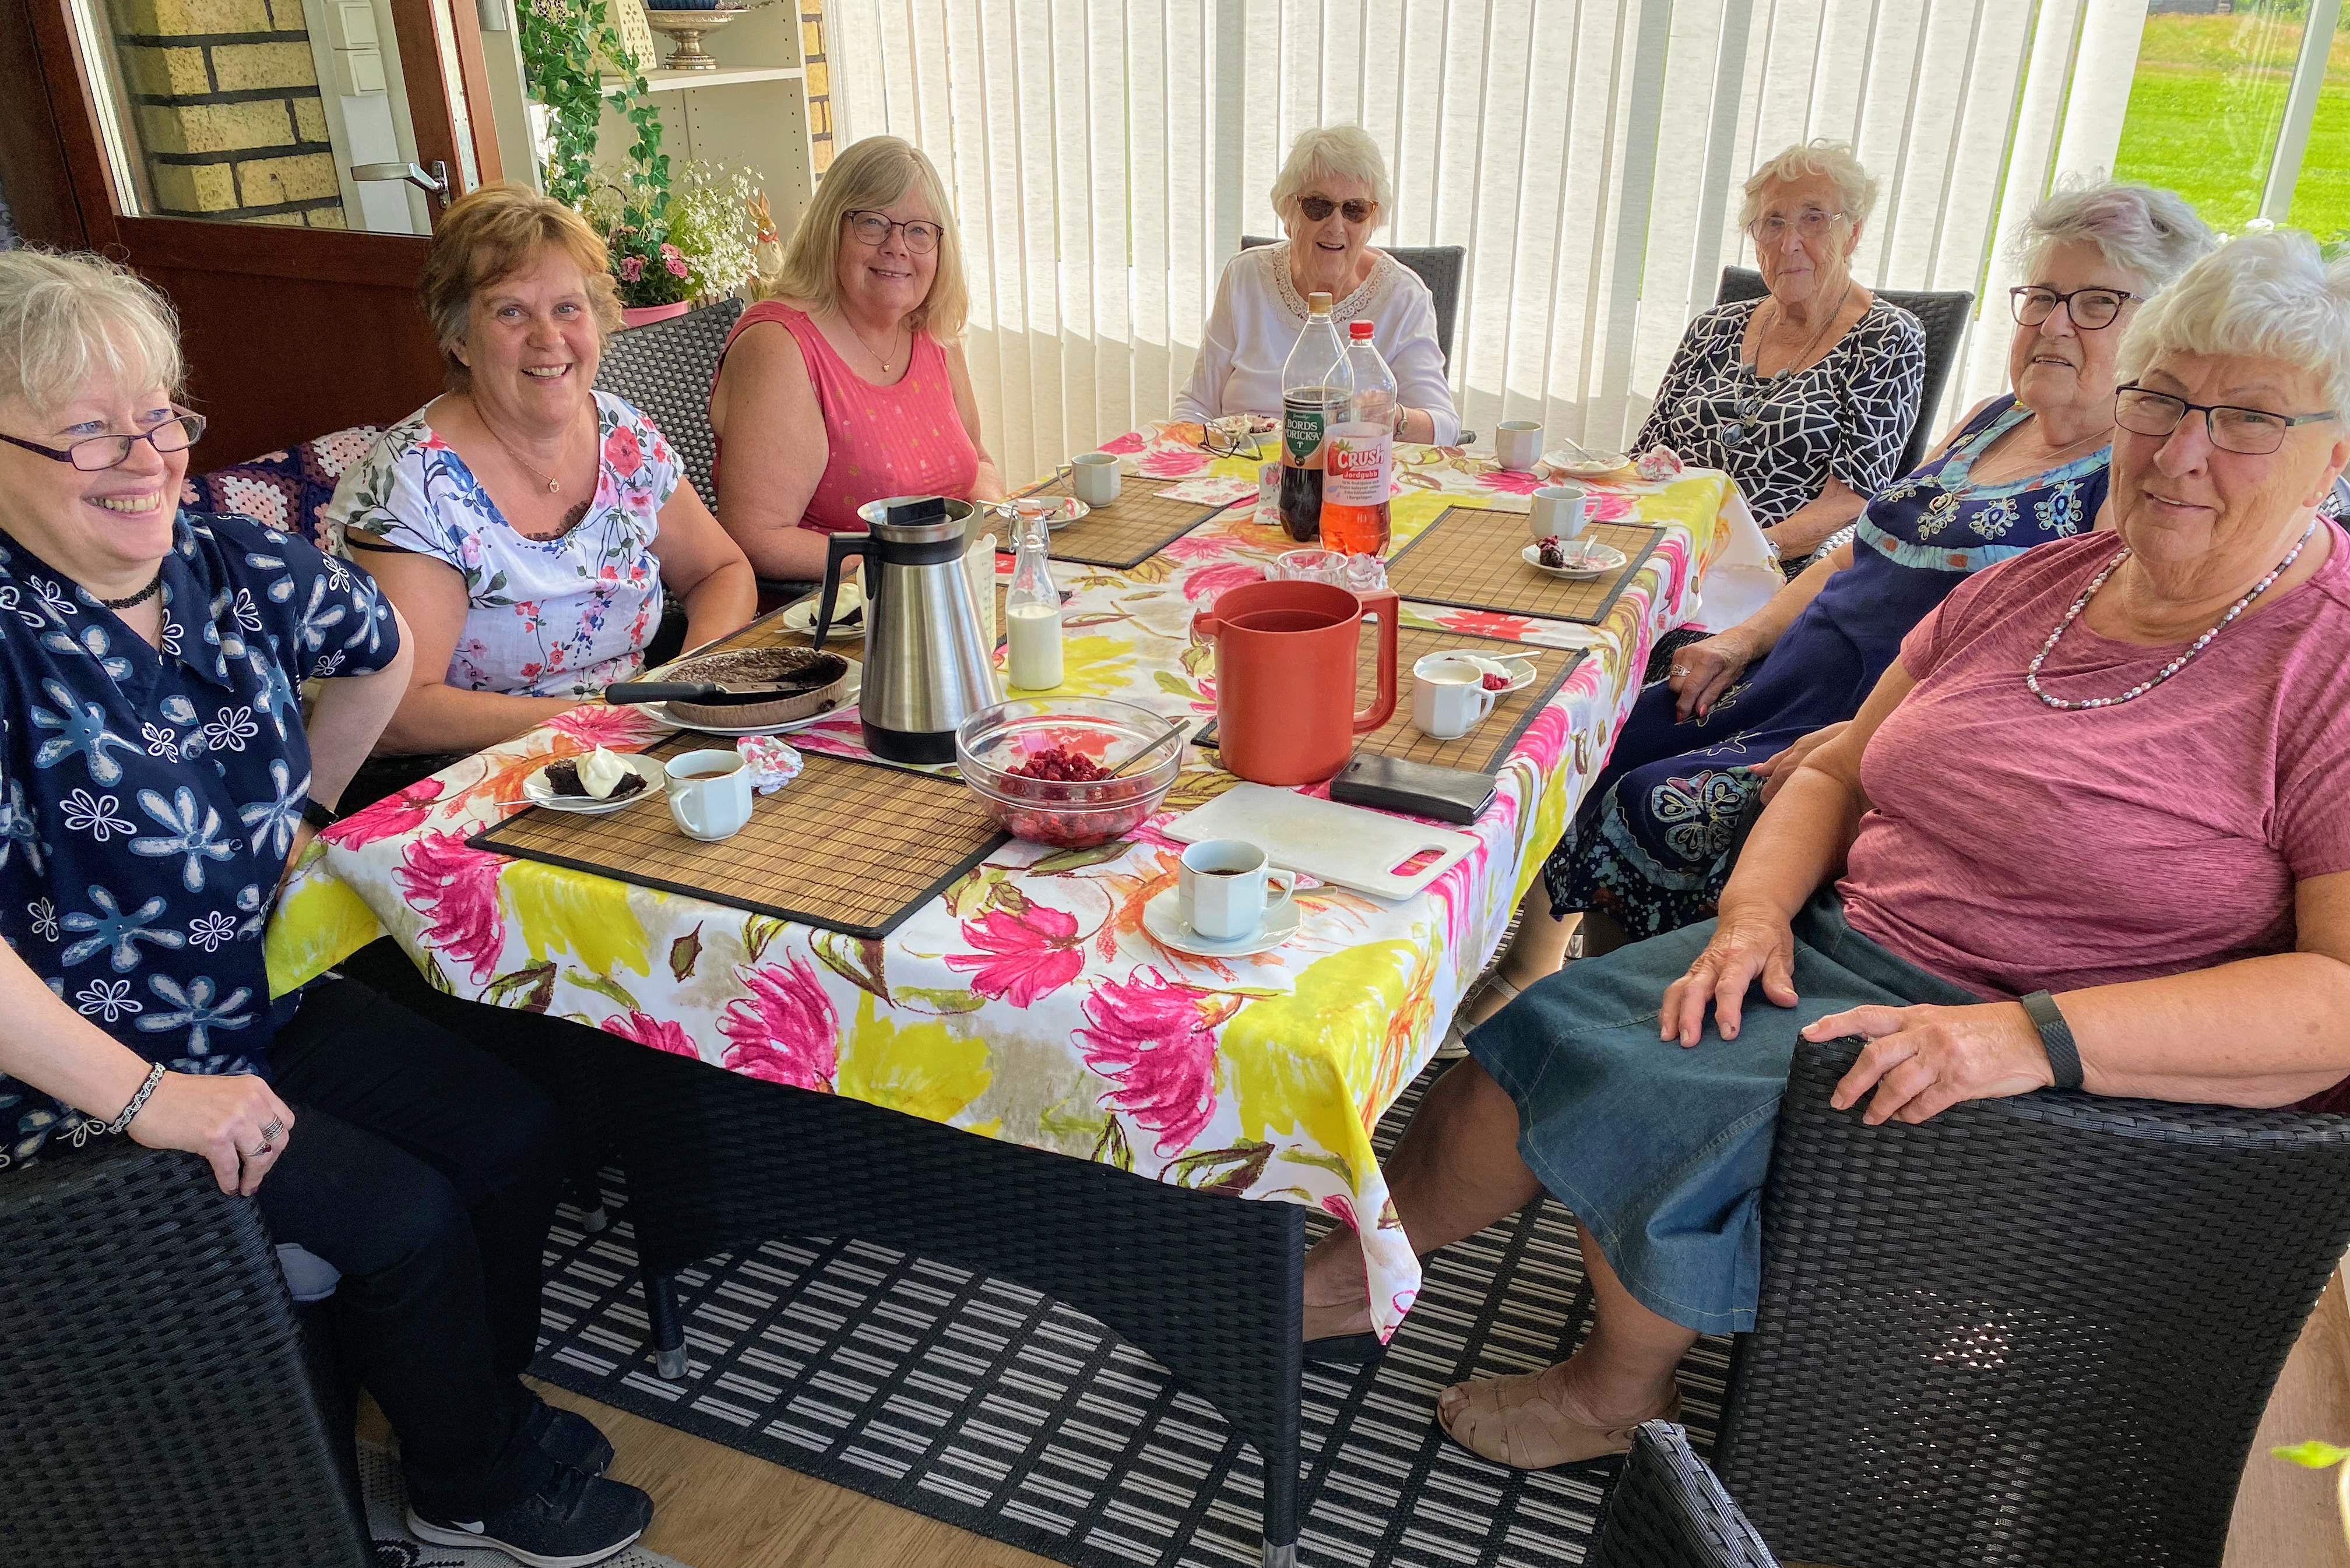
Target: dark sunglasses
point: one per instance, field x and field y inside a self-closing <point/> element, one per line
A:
<point x="1317" y="208"/>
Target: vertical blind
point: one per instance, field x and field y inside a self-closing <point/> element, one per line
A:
<point x="1105" y="156"/>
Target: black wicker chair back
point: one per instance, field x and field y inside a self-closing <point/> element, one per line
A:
<point x="2031" y="1331"/>
<point x="1943" y="314"/>
<point x="666" y="369"/>
<point x="1439" y="266"/>
<point x="158" y="1405"/>
<point x="1668" y="1511"/>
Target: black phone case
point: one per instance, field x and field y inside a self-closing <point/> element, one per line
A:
<point x="1423" y="789"/>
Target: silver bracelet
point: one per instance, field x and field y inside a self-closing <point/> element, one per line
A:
<point x="154" y="1076"/>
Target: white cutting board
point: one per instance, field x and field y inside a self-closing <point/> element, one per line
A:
<point x="1341" y="844"/>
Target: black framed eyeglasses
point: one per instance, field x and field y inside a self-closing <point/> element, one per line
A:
<point x="96" y="454"/>
<point x="1808" y="224"/>
<point x="873" y="229"/>
<point x="2090" y="308"/>
<point x="1316" y="208"/>
<point x="2252" y="432"/>
<point x="1230" y="437"/>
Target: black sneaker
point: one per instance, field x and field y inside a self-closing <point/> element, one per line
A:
<point x="567" y="1437"/>
<point x="572" y="1520"/>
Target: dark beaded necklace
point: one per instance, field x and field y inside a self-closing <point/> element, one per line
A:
<point x="140" y="598"/>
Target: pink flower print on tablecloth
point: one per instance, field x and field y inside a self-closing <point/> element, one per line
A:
<point x="785" y="1032"/>
<point x="1154" y="1038"/>
<point x="1021" y="957"/>
<point x="387" y="819"/>
<point x="455" y="887"/>
<point x="1132" y="440"/>
<point x="1607" y="507"/>
<point x="1173" y="462"/>
<point x="1209" y="582"/>
<point x="1486" y="623"/>
<point x="595" y="724"/>
<point x="1509" y="481"/>
<point x="660" y="1034"/>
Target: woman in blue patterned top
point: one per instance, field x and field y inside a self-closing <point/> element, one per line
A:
<point x="1654" y="839"/>
<point x="157" y="778"/>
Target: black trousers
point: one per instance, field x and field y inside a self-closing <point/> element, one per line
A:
<point x="427" y="1171"/>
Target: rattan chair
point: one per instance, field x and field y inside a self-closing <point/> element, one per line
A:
<point x="1943" y="314"/>
<point x="1668" y="1511"/>
<point x="1439" y="266"/>
<point x="159" y="1402"/>
<point x="2033" y="1331"/>
<point x="666" y="369"/>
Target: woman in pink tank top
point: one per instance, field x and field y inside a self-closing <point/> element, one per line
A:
<point x="849" y="385"/>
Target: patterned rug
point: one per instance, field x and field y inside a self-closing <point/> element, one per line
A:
<point x="1034" y="1425"/>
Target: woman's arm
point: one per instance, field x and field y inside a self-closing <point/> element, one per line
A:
<point x="350" y="712"/>
<point x="428" y="597"/>
<point x="60" y="1053"/>
<point x="1799" y="844"/>
<point x="1799" y="533"/>
<point x="1703" y="671"/>
<point x="2261" y="1032"/>
<point x="705" y="567"/>
<point x="988" y="485"/>
<point x="764" y="408"/>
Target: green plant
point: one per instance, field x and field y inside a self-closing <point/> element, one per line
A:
<point x="710" y="218"/>
<point x="561" y="41"/>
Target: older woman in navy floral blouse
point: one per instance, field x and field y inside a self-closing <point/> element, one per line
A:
<point x="157" y="777"/>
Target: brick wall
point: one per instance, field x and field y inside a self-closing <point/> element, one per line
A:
<point x="228" y="110"/>
<point x="818" y="85"/>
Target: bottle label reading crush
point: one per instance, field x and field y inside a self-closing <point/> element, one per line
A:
<point x="1357" y="463"/>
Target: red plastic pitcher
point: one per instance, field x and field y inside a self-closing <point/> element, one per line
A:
<point x="1285" y="676"/>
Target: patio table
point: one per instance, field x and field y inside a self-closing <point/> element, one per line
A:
<point x="1027" y="1005"/>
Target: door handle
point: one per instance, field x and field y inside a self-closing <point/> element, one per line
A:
<point x="432" y="180"/>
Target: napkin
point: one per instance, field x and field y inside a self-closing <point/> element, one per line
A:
<point x="1657" y="464"/>
<point x="1211" y="490"/>
<point x="978" y="566"/>
<point x="772" y="761"/>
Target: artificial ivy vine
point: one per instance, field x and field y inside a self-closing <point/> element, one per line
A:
<point x="561" y="40"/>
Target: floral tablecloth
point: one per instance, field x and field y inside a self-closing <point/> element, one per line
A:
<point x="1028" y="1004"/>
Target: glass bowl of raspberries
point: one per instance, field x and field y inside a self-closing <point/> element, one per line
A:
<point x="1043" y="766"/>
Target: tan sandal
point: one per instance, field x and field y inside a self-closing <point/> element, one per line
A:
<point x="1507" y="1420"/>
<point x="1456" y="1036"/>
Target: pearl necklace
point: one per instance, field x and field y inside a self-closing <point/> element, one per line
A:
<point x="2032" y="670"/>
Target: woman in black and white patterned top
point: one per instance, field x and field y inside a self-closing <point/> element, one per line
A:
<point x="1807" y="398"/>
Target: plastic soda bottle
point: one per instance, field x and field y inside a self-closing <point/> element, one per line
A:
<point x="1358" y="456"/>
<point x="1315" y="386"/>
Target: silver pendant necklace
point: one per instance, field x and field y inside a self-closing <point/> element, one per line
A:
<point x="2032" y="670"/>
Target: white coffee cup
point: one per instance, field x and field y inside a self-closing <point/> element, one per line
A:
<point x="1094" y="476"/>
<point x="1449" y="697"/>
<point x="1220" y="888"/>
<point x="1556" y="510"/>
<point x="1518" y="445"/>
<point x="710" y="794"/>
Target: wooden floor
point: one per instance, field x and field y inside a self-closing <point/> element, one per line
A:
<point x="722" y="1509"/>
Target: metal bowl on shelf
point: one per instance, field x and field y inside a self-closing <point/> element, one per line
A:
<point x="686" y="25"/>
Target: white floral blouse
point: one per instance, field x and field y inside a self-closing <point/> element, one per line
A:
<point x="545" y="617"/>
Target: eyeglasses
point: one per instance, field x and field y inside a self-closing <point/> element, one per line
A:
<point x="2090" y="308"/>
<point x="873" y="228"/>
<point x="1809" y="225"/>
<point x="1317" y="208"/>
<point x="2254" y="433"/>
<point x="99" y="454"/>
<point x="1230" y="437"/>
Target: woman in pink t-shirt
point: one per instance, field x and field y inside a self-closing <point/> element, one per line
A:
<point x="2118" y="772"/>
<point x="849" y="384"/>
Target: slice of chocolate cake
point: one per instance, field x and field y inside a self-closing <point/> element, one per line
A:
<point x="563" y="778"/>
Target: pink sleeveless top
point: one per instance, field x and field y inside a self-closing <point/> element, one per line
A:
<point x="906" y="440"/>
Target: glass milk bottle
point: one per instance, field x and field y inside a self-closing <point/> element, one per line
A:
<point x="1032" y="607"/>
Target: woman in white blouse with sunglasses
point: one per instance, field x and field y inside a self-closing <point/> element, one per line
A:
<point x="1330" y="194"/>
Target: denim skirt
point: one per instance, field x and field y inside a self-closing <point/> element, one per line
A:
<point x="1660" y="1151"/>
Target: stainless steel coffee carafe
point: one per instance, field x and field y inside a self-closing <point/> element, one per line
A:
<point x="928" y="667"/>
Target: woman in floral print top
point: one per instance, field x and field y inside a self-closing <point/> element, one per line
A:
<point x="526" y="524"/>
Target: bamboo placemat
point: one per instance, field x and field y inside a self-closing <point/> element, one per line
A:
<point x="1130" y="530"/>
<point x="851" y="845"/>
<point x="1482" y="749"/>
<point x="1470" y="556"/>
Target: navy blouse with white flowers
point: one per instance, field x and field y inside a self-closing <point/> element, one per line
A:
<point x="148" y="800"/>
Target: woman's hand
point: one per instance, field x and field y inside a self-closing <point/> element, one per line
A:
<point x="1702" y="672"/>
<point x="1923" y="1060"/>
<point x="233" y="1120"/>
<point x="1776" y="769"/>
<point x="1749" y="941"/>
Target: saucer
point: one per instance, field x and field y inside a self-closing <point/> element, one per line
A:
<point x="801" y="617"/>
<point x="1592" y="464"/>
<point x="1599" y="560"/>
<point x="536" y="790"/>
<point x="1164" y="919"/>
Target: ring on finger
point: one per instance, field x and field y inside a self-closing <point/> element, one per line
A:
<point x="269" y="1133"/>
<point x="265" y="1150"/>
